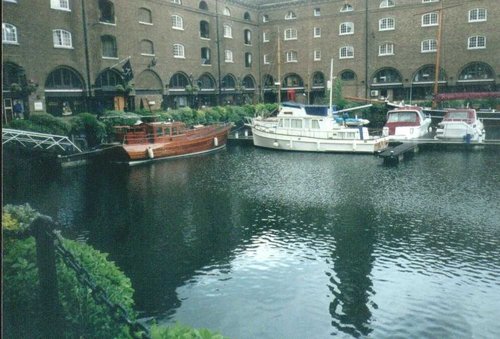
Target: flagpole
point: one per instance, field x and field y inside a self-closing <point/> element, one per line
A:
<point x="119" y="62"/>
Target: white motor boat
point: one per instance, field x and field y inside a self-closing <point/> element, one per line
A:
<point x="314" y="128"/>
<point x="461" y="124"/>
<point x="407" y="122"/>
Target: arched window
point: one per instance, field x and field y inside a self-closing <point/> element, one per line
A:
<point x="476" y="42"/>
<point x="268" y="81"/>
<point x="248" y="59"/>
<point x="228" y="82"/>
<point x="12" y="73"/>
<point x="246" y="16"/>
<point x="318" y="79"/>
<point x="247" y="36"/>
<point x="226" y="11"/>
<point x="179" y="51"/>
<point x="108" y="80"/>
<point x="428" y="74"/>
<point x="145" y="16"/>
<point x="203" y="6"/>
<point x="63" y="78"/>
<point x="346" y="28"/>
<point x="386" y="49"/>
<point x="346" y="52"/>
<point x="346" y="8"/>
<point x="228" y="31"/>
<point x="477" y="15"/>
<point x="179" y="80"/>
<point x="109" y="49"/>
<point x="205" y="56"/>
<point x="206" y="81"/>
<point x="293" y="80"/>
<point x="291" y="56"/>
<point x="107" y="9"/>
<point x="177" y="22"/>
<point x="204" y="29"/>
<point x="477" y="71"/>
<point x="228" y="55"/>
<point x="387" y="75"/>
<point x="290" y="34"/>
<point x="147" y="47"/>
<point x="347" y="75"/>
<point x="386" y="3"/>
<point x="430" y="19"/>
<point x="428" y="46"/>
<point x="9" y="34"/>
<point x="62" y="38"/>
<point x="248" y="82"/>
<point x="290" y="15"/>
<point x="386" y="24"/>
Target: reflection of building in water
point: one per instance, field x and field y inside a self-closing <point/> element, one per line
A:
<point x="351" y="285"/>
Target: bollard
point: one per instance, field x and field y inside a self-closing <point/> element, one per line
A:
<point x="50" y="307"/>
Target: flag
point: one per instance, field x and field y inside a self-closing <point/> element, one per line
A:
<point x="127" y="71"/>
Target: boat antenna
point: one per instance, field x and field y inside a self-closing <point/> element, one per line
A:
<point x="279" y="67"/>
<point x="330" y="109"/>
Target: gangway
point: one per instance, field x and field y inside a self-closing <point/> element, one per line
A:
<point x="40" y="141"/>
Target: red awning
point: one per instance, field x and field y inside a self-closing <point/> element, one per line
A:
<point x="467" y="95"/>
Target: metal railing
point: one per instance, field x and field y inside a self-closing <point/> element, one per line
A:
<point x="37" y="140"/>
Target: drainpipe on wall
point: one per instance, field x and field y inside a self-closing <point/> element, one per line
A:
<point x="366" y="49"/>
<point x="86" y="47"/>
<point x="219" y="92"/>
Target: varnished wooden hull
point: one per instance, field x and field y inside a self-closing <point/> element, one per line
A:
<point x="203" y="140"/>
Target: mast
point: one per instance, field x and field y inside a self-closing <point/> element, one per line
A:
<point x="279" y="66"/>
<point x="438" y="57"/>
<point x="331" y="87"/>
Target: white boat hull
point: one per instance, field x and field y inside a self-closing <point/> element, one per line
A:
<point x="309" y="144"/>
<point x="459" y="131"/>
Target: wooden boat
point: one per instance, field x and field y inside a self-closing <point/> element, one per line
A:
<point x="160" y="140"/>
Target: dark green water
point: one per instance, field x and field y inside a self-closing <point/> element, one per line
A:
<point x="262" y="244"/>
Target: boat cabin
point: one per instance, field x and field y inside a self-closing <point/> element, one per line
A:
<point x="468" y="116"/>
<point x="149" y="133"/>
<point x="404" y="117"/>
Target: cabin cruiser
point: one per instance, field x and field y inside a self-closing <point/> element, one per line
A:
<point x="461" y="124"/>
<point x="314" y="128"/>
<point x="408" y="122"/>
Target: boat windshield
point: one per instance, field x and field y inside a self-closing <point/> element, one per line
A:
<point x="456" y="116"/>
<point x="402" y="117"/>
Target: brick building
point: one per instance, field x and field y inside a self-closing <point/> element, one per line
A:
<point x="64" y="56"/>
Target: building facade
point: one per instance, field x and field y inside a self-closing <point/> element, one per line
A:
<point x="69" y="56"/>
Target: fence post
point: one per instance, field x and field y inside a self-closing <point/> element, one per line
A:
<point x="49" y="307"/>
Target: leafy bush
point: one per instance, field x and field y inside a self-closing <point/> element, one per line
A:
<point x="87" y="124"/>
<point x="42" y="123"/>
<point x="83" y="318"/>
<point x="179" y="331"/>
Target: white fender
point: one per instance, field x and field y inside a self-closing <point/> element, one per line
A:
<point x="151" y="154"/>
<point x="216" y="142"/>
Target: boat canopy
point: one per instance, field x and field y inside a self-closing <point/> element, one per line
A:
<point x="318" y="110"/>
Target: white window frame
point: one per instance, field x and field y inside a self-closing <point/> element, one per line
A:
<point x="178" y="2"/>
<point x="9" y="37"/>
<point x="179" y="51"/>
<point x="478" y="15"/>
<point x="317" y="55"/>
<point x="317" y="32"/>
<point x="317" y="12"/>
<point x="430" y="19"/>
<point x="62" y="38"/>
<point x="11" y="1"/>
<point x="177" y="22"/>
<point x="226" y="12"/>
<point x="428" y="46"/>
<point x="346" y="28"/>
<point x="265" y="37"/>
<point x="265" y="18"/>
<point x="346" y="52"/>
<point x="425" y="1"/>
<point x="228" y="31"/>
<point x="387" y="3"/>
<point x="150" y="15"/>
<point x="347" y="8"/>
<point x="266" y="59"/>
<point x="386" y="49"/>
<point x="383" y="24"/>
<point x="228" y="56"/>
<point x="290" y="15"/>
<point x="247" y="37"/>
<point x="248" y="59"/>
<point x="290" y="34"/>
<point x="476" y="42"/>
<point x="62" y="5"/>
<point x="291" y="56"/>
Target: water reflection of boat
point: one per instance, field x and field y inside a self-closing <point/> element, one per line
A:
<point x="461" y="124"/>
<point x="313" y="128"/>
<point x="159" y="140"/>
<point x="405" y="123"/>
